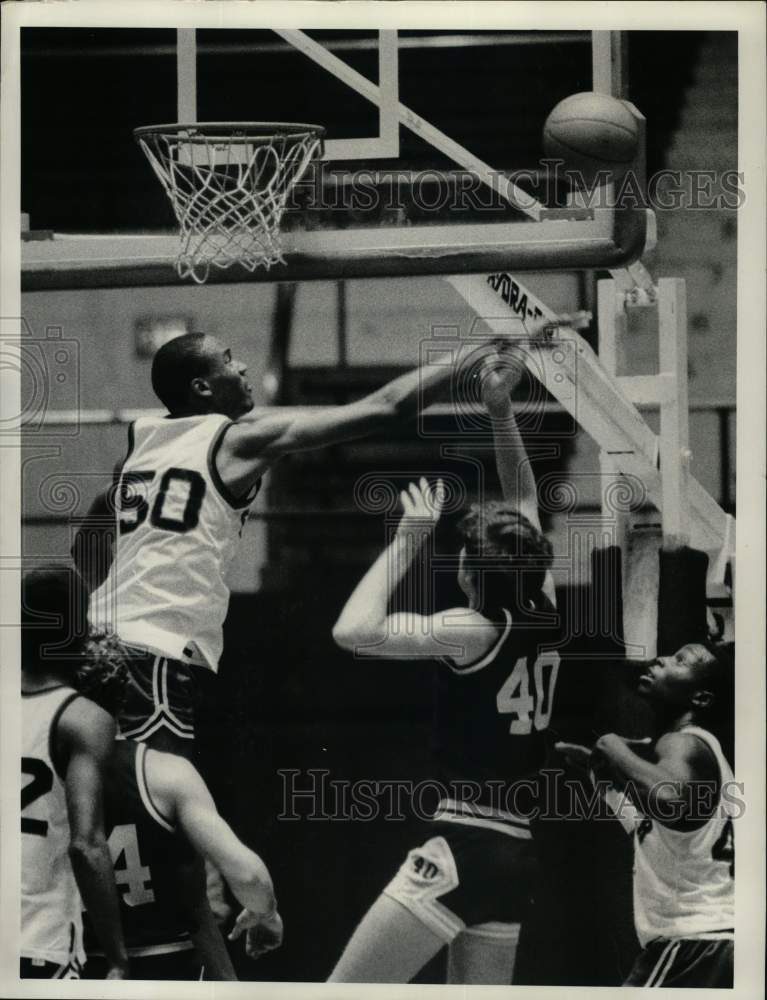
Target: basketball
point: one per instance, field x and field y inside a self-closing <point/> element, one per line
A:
<point x="592" y="132"/>
<point x="368" y="391"/>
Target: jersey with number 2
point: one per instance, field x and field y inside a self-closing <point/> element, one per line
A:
<point x="51" y="928"/>
<point x="178" y="530"/>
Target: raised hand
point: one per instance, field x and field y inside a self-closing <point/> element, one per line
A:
<point x="545" y="327"/>
<point x="421" y="506"/>
<point x="502" y="371"/>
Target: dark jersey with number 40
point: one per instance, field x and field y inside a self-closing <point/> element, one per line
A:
<point x="491" y="716"/>
<point x="151" y="859"/>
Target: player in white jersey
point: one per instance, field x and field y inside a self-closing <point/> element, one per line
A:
<point x="180" y="501"/>
<point x="678" y="798"/>
<point x="66" y="740"/>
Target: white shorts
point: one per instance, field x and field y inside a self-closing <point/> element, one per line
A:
<point x="466" y="879"/>
<point x="427" y="873"/>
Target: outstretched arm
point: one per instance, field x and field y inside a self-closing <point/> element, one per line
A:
<point x="177" y="782"/>
<point x="501" y="374"/>
<point x="500" y="377"/>
<point x="251" y="446"/>
<point x="84" y="740"/>
<point x="366" y="628"/>
<point x="179" y="789"/>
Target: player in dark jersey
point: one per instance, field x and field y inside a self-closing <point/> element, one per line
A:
<point x="160" y="819"/>
<point x="469" y="883"/>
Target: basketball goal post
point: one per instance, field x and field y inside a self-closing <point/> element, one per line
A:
<point x="602" y="401"/>
<point x="604" y="404"/>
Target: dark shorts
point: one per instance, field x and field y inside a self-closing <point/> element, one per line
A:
<point x="173" y="965"/>
<point x="161" y="702"/>
<point x="684" y="962"/>
<point x="464" y="876"/>
<point x="36" y="968"/>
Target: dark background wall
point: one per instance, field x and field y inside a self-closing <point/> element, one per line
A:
<point x="85" y="90"/>
<point x="287" y="698"/>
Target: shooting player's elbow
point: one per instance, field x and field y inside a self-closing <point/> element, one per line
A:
<point x="343" y="636"/>
<point x="356" y="640"/>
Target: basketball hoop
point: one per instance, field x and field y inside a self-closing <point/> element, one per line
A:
<point x="228" y="183"/>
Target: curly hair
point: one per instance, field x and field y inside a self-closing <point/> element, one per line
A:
<point x="103" y="673"/>
<point x="508" y="550"/>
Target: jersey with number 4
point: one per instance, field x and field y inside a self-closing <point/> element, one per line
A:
<point x="178" y="530"/>
<point x="51" y="927"/>
<point x="684" y="880"/>
<point x="148" y="855"/>
<point x="490" y="720"/>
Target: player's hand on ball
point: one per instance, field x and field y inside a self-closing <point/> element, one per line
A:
<point x="546" y="328"/>
<point x="502" y="371"/>
<point x="579" y="320"/>
<point x="421" y="507"/>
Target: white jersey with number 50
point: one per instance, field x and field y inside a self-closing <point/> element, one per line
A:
<point x="178" y="529"/>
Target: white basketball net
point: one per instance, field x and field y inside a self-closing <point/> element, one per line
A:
<point x="228" y="185"/>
